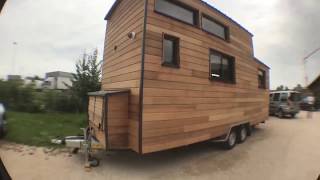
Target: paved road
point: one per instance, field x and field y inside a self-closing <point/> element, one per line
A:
<point x="281" y="149"/>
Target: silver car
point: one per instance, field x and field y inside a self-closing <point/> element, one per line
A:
<point x="2" y="120"/>
<point x="283" y="103"/>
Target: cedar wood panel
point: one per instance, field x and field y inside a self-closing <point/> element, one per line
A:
<point x="118" y="122"/>
<point x="122" y="59"/>
<point x="180" y="106"/>
<point x="96" y="117"/>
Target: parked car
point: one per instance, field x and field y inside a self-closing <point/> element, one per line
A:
<point x="2" y="120"/>
<point x="308" y="103"/>
<point x="283" y="103"/>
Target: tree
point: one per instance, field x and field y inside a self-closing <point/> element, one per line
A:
<point x="87" y="78"/>
<point x="298" y="88"/>
<point x="282" y="88"/>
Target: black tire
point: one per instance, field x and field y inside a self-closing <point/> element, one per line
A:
<point x="94" y="162"/>
<point x="249" y="130"/>
<point x="293" y="116"/>
<point x="231" y="141"/>
<point x="242" y="134"/>
<point x="280" y="114"/>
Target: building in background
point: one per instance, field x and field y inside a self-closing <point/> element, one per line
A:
<point x="36" y="81"/>
<point x="14" y="78"/>
<point x="315" y="88"/>
<point x="2" y="2"/>
<point x="58" y="80"/>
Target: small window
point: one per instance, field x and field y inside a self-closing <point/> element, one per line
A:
<point x="177" y="10"/>
<point x="222" y="67"/>
<point x="214" y="27"/>
<point x="276" y="97"/>
<point x="170" y="55"/>
<point x="262" y="79"/>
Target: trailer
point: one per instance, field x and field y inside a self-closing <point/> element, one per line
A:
<point x="175" y="73"/>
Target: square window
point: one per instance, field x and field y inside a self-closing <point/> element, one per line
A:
<point x="170" y="55"/>
<point x="214" y="27"/>
<point x="222" y="67"/>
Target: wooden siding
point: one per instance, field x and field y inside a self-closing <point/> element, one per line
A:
<point x="96" y="118"/>
<point x="182" y="106"/>
<point x="122" y="59"/>
<point x="118" y="121"/>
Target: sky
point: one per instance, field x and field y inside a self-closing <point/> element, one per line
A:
<point x="39" y="36"/>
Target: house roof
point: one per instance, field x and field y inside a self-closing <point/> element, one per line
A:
<point x="117" y="2"/>
<point x="317" y="80"/>
<point x="260" y="62"/>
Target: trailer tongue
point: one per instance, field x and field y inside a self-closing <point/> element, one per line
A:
<point x="86" y="143"/>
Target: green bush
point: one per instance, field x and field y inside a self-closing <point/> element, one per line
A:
<point x="22" y="98"/>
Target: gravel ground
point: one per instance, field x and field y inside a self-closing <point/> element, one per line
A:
<point x="286" y="149"/>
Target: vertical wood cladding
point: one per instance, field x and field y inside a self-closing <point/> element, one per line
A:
<point x="182" y="106"/>
<point x="122" y="59"/>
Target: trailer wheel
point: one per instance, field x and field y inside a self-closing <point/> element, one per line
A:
<point x="280" y="114"/>
<point x="249" y="129"/>
<point x="94" y="162"/>
<point x="243" y="134"/>
<point x="231" y="141"/>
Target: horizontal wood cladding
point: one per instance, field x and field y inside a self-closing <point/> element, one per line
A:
<point x="182" y="106"/>
<point x="122" y="69"/>
<point x="118" y="121"/>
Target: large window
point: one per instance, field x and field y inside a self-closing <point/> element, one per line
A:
<point x="214" y="27"/>
<point x="262" y="79"/>
<point x="177" y="10"/>
<point x="170" y="48"/>
<point x="222" y="67"/>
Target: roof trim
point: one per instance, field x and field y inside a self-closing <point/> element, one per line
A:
<point x="313" y="82"/>
<point x="260" y="62"/>
<point x="113" y="8"/>
<point x="2" y="4"/>
<point x="115" y="5"/>
<point x="226" y="16"/>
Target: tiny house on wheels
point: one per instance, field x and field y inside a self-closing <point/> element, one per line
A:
<point x="176" y="73"/>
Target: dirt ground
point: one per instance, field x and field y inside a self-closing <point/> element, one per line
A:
<point x="280" y="149"/>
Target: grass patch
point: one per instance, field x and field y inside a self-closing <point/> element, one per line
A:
<point x="39" y="129"/>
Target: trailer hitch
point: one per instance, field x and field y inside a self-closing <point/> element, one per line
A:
<point x="87" y="143"/>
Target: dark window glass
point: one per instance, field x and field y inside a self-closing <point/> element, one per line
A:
<point x="214" y="28"/>
<point x="170" y="51"/>
<point x="221" y="67"/>
<point x="262" y="79"/>
<point x="276" y="97"/>
<point x="176" y="11"/>
<point x="284" y="97"/>
<point x="295" y="97"/>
